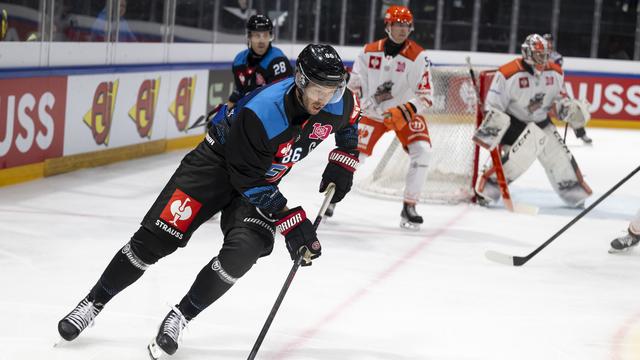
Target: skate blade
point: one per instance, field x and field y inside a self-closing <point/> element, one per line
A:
<point x="155" y="351"/>
<point x="408" y="225"/>
<point x="621" y="251"/>
<point x="60" y="342"/>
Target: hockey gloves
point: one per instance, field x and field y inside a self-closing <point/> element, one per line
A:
<point x="299" y="235"/>
<point x="396" y="118"/>
<point x="339" y="170"/>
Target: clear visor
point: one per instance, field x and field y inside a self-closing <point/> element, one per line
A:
<point x="324" y="94"/>
<point x="317" y="92"/>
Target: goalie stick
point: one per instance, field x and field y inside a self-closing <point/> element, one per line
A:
<point x="521" y="260"/>
<point x="328" y="195"/>
<point x="497" y="162"/>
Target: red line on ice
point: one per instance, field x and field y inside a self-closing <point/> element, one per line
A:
<point x="310" y="332"/>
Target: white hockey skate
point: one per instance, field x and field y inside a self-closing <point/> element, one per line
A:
<point x="624" y="243"/>
<point x="169" y="335"/>
<point x="410" y="219"/>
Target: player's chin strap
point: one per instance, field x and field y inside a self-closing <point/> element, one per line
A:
<point x="328" y="195"/>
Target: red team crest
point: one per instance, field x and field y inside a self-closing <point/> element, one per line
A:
<point x="401" y="66"/>
<point x="180" y="210"/>
<point x="523" y="82"/>
<point x="320" y="132"/>
<point x="374" y="62"/>
<point x="284" y="149"/>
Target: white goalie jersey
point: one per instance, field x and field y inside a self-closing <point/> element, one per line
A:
<point x="525" y="96"/>
<point x="383" y="81"/>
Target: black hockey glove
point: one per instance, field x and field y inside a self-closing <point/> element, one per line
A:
<point x="299" y="235"/>
<point x="339" y="170"/>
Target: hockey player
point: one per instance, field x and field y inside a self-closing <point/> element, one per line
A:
<point x="392" y="79"/>
<point x="556" y="57"/>
<point x="258" y="65"/>
<point x="261" y="63"/>
<point x="629" y="240"/>
<point x="516" y="116"/>
<point x="236" y="170"/>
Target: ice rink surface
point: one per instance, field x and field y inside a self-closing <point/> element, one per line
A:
<point x="377" y="292"/>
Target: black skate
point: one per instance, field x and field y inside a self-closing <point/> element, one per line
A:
<point x="79" y="319"/>
<point x="169" y="334"/>
<point x="582" y="135"/>
<point x="624" y="243"/>
<point x="410" y="218"/>
<point x="586" y="140"/>
<point x="330" y="209"/>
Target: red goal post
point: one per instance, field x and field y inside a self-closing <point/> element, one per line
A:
<point x="452" y="120"/>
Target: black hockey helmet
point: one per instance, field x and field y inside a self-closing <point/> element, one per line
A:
<point x="321" y="65"/>
<point x="259" y="23"/>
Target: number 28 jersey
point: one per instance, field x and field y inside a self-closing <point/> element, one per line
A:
<point x="250" y="73"/>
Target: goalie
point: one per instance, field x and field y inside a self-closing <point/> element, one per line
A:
<point x="516" y="121"/>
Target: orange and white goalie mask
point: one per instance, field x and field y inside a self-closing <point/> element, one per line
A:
<point x="535" y="51"/>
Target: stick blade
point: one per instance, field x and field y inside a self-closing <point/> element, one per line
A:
<point x="500" y="258"/>
<point x="525" y="209"/>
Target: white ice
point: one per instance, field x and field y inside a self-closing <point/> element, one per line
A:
<point x="377" y="292"/>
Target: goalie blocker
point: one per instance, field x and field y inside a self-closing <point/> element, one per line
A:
<point x="521" y="143"/>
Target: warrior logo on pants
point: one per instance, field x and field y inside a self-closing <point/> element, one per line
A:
<point x="180" y="210"/>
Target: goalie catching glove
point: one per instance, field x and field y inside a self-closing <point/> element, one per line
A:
<point x="574" y="112"/>
<point x="299" y="235"/>
<point x="339" y="170"/>
<point x="398" y="117"/>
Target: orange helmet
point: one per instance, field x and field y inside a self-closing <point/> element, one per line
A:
<point x="398" y="13"/>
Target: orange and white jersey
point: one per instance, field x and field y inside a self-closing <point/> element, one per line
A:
<point x="383" y="81"/>
<point x="525" y="96"/>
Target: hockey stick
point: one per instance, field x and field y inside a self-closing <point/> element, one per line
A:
<point x="202" y="120"/>
<point x="328" y="195"/>
<point x="497" y="162"/>
<point x="521" y="260"/>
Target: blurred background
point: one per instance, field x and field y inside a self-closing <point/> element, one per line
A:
<point x="582" y="28"/>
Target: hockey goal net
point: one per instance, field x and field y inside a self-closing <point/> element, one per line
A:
<point x="454" y="160"/>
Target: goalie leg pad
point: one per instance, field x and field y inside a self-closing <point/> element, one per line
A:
<point x="519" y="156"/>
<point x="420" y="155"/>
<point x="562" y="170"/>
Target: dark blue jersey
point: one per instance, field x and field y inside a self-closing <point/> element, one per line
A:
<point x="251" y="71"/>
<point x="268" y="132"/>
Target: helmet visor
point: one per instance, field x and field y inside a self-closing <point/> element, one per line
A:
<point x="324" y="94"/>
<point x="329" y="92"/>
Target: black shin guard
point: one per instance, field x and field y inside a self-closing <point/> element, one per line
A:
<point x="123" y="270"/>
<point x="129" y="264"/>
<point x="241" y="248"/>
<point x="212" y="282"/>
